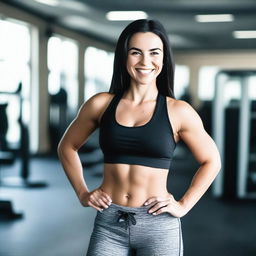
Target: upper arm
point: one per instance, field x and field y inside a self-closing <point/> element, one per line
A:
<point x="86" y="121"/>
<point x="190" y="129"/>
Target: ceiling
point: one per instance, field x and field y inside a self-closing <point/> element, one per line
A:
<point x="178" y="17"/>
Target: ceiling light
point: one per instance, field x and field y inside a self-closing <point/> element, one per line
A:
<point x="214" y="18"/>
<point x="126" y="15"/>
<point x="244" y="34"/>
<point x="48" y="2"/>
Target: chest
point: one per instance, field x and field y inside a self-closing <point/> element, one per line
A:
<point x="130" y="115"/>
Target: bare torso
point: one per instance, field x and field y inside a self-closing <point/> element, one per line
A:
<point x="132" y="185"/>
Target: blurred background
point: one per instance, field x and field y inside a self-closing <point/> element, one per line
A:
<point x="55" y="54"/>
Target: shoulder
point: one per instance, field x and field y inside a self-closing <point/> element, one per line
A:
<point x="98" y="100"/>
<point x="99" y="97"/>
<point x="184" y="114"/>
<point x="96" y="105"/>
<point x="180" y="106"/>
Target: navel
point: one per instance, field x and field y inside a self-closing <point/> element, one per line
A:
<point x="127" y="196"/>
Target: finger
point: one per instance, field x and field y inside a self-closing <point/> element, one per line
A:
<point x="154" y="199"/>
<point x="94" y="200"/>
<point x="171" y="197"/>
<point x="150" y="200"/>
<point x="106" y="201"/>
<point x="157" y="206"/>
<point x="107" y="197"/>
<point x="94" y="197"/>
<point x="95" y="206"/>
<point x="161" y="210"/>
<point x="102" y="203"/>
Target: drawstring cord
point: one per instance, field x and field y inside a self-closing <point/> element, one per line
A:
<point x="128" y="217"/>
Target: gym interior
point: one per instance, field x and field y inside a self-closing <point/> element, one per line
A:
<point x="56" y="54"/>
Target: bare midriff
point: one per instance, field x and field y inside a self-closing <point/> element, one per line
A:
<point x="131" y="185"/>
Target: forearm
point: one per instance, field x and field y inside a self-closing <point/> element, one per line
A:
<point x="201" y="181"/>
<point x="73" y="168"/>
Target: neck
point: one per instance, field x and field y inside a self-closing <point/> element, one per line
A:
<point x="142" y="92"/>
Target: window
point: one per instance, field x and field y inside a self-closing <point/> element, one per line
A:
<point x="63" y="70"/>
<point x="181" y="81"/>
<point x="15" y="69"/>
<point x="207" y="82"/>
<point x="98" y="71"/>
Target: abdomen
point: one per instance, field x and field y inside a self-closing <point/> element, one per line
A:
<point x="132" y="185"/>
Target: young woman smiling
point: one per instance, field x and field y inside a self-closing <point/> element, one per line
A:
<point x="140" y="124"/>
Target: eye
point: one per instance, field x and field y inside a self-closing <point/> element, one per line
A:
<point x="135" y="53"/>
<point x="154" y="53"/>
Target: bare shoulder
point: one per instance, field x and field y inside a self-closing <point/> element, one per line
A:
<point x="183" y="114"/>
<point x="180" y="106"/>
<point x="99" y="99"/>
<point x="96" y="105"/>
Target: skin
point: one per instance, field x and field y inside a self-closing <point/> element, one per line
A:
<point x="135" y="185"/>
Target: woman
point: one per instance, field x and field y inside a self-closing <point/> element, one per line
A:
<point x="140" y="124"/>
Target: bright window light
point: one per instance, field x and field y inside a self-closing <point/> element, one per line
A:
<point x="98" y="71"/>
<point x="63" y="67"/>
<point x="126" y="15"/>
<point x="15" y="68"/>
<point x="181" y="81"/>
<point x="48" y="2"/>
<point x="206" y="87"/>
<point x="214" y="18"/>
<point x="244" y="34"/>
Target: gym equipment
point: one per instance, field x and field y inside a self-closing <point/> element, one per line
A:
<point x="234" y="121"/>
<point x="6" y="210"/>
<point x="22" y="151"/>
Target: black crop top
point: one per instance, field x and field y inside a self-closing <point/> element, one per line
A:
<point x="151" y="144"/>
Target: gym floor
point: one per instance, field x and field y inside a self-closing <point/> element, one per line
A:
<point x="55" y="224"/>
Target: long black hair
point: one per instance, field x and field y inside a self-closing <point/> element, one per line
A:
<point x="121" y="78"/>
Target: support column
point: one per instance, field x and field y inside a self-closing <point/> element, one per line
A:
<point x="81" y="75"/>
<point x="193" y="86"/>
<point x="39" y="127"/>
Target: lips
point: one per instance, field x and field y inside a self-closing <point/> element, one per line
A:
<point x="144" y="71"/>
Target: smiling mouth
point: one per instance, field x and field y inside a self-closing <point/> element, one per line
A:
<point x="144" y="71"/>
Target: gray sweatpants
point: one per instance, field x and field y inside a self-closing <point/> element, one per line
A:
<point x="123" y="231"/>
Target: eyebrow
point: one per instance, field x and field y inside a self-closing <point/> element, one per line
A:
<point x="137" y="49"/>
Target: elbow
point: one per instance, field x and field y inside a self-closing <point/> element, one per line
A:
<point x="216" y="164"/>
<point x="59" y="149"/>
<point x="65" y="148"/>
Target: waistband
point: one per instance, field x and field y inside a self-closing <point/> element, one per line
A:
<point x="131" y="215"/>
<point x="127" y="215"/>
<point x="141" y="209"/>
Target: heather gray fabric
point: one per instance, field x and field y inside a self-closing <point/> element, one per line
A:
<point x="119" y="229"/>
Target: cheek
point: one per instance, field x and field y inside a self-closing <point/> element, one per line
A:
<point x="129" y="68"/>
<point x="159" y="63"/>
<point x="131" y="62"/>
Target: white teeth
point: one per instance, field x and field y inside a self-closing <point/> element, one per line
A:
<point x="144" y="71"/>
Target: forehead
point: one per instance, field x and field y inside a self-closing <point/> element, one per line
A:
<point x="145" y="40"/>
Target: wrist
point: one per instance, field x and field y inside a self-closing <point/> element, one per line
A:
<point x="184" y="206"/>
<point x="82" y="195"/>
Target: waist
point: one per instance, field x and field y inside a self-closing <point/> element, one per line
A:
<point x="132" y="185"/>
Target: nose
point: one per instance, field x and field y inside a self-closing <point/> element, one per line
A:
<point x="145" y="60"/>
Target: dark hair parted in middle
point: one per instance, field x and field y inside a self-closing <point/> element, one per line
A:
<point x="121" y="78"/>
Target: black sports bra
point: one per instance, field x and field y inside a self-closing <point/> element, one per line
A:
<point x="151" y="144"/>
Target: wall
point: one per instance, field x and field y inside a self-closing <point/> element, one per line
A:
<point x="224" y="59"/>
